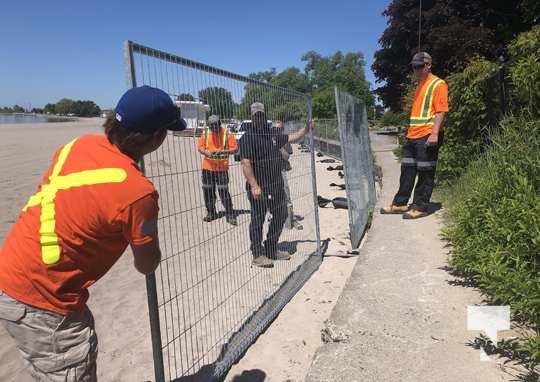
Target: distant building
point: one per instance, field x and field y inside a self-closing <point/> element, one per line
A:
<point x="105" y="113"/>
<point x="194" y="112"/>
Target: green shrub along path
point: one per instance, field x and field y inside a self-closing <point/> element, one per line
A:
<point x="493" y="219"/>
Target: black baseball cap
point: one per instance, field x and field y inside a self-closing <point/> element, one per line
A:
<point x="146" y="109"/>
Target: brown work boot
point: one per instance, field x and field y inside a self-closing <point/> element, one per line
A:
<point x="262" y="261"/>
<point x="280" y="255"/>
<point x="394" y="210"/>
<point x="414" y="214"/>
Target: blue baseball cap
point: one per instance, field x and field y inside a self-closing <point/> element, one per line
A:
<point x="146" y="109"/>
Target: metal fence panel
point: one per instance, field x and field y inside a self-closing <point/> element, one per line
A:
<point x="326" y="138"/>
<point x="207" y="304"/>
<point x="357" y="162"/>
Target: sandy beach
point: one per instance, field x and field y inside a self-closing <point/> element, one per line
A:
<point x="217" y="292"/>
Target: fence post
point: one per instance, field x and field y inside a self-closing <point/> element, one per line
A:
<point x="314" y="178"/>
<point x="502" y="88"/>
<point x="151" y="288"/>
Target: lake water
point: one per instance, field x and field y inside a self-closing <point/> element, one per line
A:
<point x="26" y="118"/>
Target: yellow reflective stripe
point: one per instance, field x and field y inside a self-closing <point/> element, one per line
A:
<point x="50" y="249"/>
<point x="426" y="98"/>
<point x="206" y="139"/>
<point x="62" y="159"/>
<point x="421" y="124"/>
<point x="33" y="201"/>
<point x="89" y="177"/>
<point x="36" y="199"/>
<point x="430" y="97"/>
<point x="414" y="120"/>
<point x="225" y="138"/>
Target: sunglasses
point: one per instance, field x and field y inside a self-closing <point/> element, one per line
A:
<point x="418" y="66"/>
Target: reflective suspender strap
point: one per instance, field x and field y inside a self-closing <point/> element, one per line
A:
<point x="427" y="102"/>
<point x="226" y="139"/>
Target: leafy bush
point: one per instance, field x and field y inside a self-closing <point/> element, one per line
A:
<point x="524" y="72"/>
<point x="472" y="106"/>
<point x="475" y="102"/>
<point x="494" y="221"/>
<point x="390" y="118"/>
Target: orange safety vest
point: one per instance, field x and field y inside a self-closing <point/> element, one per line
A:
<point x="219" y="157"/>
<point x="422" y="113"/>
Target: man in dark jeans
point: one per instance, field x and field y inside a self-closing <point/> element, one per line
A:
<point x="424" y="137"/>
<point x="262" y="163"/>
<point x="217" y="144"/>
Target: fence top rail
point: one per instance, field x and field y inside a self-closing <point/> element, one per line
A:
<point x="141" y="49"/>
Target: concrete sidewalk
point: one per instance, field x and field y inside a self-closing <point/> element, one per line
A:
<point x="399" y="317"/>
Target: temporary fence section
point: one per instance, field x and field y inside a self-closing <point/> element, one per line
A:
<point x="207" y="303"/>
<point x="357" y="162"/>
<point x="326" y="138"/>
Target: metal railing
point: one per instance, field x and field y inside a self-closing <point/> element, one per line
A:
<point x="326" y="138"/>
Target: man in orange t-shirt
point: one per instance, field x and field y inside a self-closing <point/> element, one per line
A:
<point x="424" y="137"/>
<point x="92" y="203"/>
<point x="217" y="144"/>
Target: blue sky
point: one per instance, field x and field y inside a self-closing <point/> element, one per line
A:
<point x="55" y="49"/>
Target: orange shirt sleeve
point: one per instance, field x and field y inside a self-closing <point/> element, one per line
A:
<point x="440" y="98"/>
<point x="139" y="220"/>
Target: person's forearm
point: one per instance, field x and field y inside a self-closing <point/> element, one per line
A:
<point x="284" y="154"/>
<point x="298" y="135"/>
<point x="248" y="173"/>
<point x="437" y="124"/>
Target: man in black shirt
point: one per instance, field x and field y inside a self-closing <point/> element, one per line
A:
<point x="262" y="163"/>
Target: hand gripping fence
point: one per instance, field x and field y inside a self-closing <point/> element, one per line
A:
<point x="207" y="304"/>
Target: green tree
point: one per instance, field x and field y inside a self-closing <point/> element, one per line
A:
<point x="321" y="74"/>
<point x="49" y="108"/>
<point x="292" y="78"/>
<point x="185" y="97"/>
<point x="345" y="71"/>
<point x="64" y="106"/>
<point x="220" y="101"/>
<point x="324" y="103"/>
<point x="452" y="32"/>
<point x="267" y="76"/>
<point x="18" y="109"/>
<point x="85" y="109"/>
